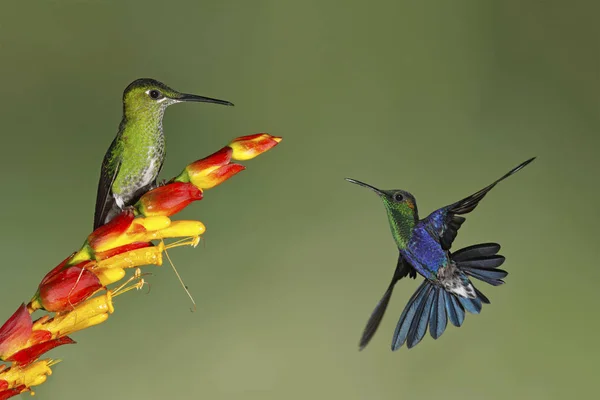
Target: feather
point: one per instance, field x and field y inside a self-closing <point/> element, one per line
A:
<point x="491" y="276"/>
<point x="456" y="313"/>
<point x="421" y="318"/>
<point x="482" y="262"/>
<point x="476" y="251"/>
<point x="438" y="318"/>
<point x="375" y="319"/>
<point x="407" y="316"/>
<point x="445" y="223"/>
<point x="471" y="305"/>
<point x="403" y="268"/>
<point x="105" y="200"/>
<point x="481" y="296"/>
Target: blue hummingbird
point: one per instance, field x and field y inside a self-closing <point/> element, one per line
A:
<point x="424" y="247"/>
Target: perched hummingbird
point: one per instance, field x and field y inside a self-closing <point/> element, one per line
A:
<point x="424" y="247"/>
<point x="135" y="157"/>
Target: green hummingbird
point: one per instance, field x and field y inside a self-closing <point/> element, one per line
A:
<point x="136" y="155"/>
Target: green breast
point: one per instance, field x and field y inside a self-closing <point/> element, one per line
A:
<point x="140" y="149"/>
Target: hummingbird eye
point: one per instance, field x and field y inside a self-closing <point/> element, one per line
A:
<point x="154" y="94"/>
<point x="398" y="197"/>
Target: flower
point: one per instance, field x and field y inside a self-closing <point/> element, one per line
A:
<point x="18" y="378"/>
<point x="73" y="290"/>
<point x="66" y="288"/>
<point x="112" y="269"/>
<point x="32" y="353"/>
<point x="103" y="255"/>
<point x="248" y="147"/>
<point x="22" y="342"/>
<point x="103" y="237"/>
<point x="168" y="199"/>
<point x="210" y="171"/>
<point x="89" y="313"/>
<point x="126" y="233"/>
<point x="15" y="332"/>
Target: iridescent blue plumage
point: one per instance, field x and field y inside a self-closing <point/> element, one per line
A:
<point x="424" y="248"/>
<point x="424" y="252"/>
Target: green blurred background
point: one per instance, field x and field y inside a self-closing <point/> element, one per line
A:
<point x="438" y="98"/>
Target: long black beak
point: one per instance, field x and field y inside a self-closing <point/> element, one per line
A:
<point x="359" y="183"/>
<point x="202" y="99"/>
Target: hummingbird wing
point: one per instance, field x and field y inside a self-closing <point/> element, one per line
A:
<point x="403" y="268"/>
<point x="105" y="200"/>
<point x="445" y="222"/>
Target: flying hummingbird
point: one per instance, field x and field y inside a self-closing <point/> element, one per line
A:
<point x="424" y="247"/>
<point x="135" y="157"/>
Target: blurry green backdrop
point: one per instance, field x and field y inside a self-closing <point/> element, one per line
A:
<point x="439" y="98"/>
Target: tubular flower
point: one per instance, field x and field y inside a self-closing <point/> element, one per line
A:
<point x="66" y="288"/>
<point x="248" y="147"/>
<point x="102" y="255"/>
<point x="113" y="269"/>
<point x="21" y="342"/>
<point x="89" y="313"/>
<point x="17" y="379"/>
<point x="210" y="171"/>
<point x="168" y="199"/>
<point x="15" y="332"/>
<point x="128" y="231"/>
<point x="77" y="289"/>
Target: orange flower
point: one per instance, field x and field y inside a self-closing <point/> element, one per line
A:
<point x="210" y="171"/>
<point x="248" y="147"/>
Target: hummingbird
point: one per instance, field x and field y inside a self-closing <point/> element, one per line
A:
<point x="136" y="155"/>
<point x="424" y="247"/>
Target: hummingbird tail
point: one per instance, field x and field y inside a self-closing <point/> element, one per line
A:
<point x="433" y="305"/>
<point x="481" y="261"/>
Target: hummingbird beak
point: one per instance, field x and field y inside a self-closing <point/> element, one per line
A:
<point x="202" y="99"/>
<point x="359" y="183"/>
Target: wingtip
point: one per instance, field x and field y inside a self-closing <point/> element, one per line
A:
<point x="519" y="167"/>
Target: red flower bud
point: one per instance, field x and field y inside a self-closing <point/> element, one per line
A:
<point x="168" y="199"/>
<point x="67" y="288"/>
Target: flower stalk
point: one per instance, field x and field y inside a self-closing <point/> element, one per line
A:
<point x="77" y="294"/>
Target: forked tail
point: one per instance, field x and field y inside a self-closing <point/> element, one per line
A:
<point x="433" y="305"/>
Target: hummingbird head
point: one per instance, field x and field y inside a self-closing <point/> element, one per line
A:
<point x="401" y="208"/>
<point x="147" y="97"/>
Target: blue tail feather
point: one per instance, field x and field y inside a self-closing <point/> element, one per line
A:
<point x="419" y="323"/>
<point x="471" y="305"/>
<point x="456" y="312"/>
<point x="438" y="318"/>
<point x="432" y="306"/>
<point x="407" y="316"/>
<point x="491" y="276"/>
<point x="481" y="296"/>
